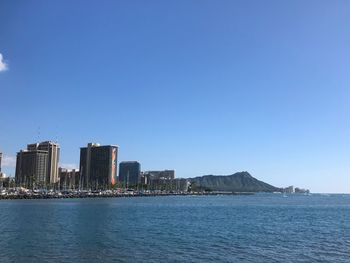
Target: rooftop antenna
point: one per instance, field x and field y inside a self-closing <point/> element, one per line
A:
<point x="38" y="134"/>
<point x="56" y="135"/>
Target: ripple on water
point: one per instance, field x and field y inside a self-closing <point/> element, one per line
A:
<point x="260" y="228"/>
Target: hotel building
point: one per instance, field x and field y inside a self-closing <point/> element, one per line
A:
<point x="37" y="166"/>
<point x="98" y="166"/>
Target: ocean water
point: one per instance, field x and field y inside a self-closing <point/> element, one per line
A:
<point x="258" y="228"/>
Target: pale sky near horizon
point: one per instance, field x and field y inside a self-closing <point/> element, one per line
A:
<point x="202" y="87"/>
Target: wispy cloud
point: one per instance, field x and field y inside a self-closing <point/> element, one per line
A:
<point x="3" y="65"/>
<point x="8" y="161"/>
<point x="69" y="165"/>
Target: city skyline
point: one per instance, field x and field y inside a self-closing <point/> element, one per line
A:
<point x="200" y="87"/>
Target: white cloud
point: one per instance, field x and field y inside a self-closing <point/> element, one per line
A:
<point x="8" y="161"/>
<point x="69" y="166"/>
<point x="3" y="65"/>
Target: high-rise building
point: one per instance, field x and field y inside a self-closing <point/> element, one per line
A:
<point x="31" y="168"/>
<point x="98" y="166"/>
<point x="38" y="165"/>
<point x="53" y="150"/>
<point x="129" y="173"/>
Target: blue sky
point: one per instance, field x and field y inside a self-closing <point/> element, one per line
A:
<point x="202" y="87"/>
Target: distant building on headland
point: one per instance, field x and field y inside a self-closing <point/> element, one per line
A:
<point x="98" y="166"/>
<point x="69" y="179"/>
<point x="37" y="166"/>
<point x="296" y="190"/>
<point x="129" y="173"/>
<point x="289" y="189"/>
<point x="301" y="191"/>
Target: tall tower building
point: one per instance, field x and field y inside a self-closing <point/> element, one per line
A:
<point x="130" y="173"/>
<point x="38" y="165"/>
<point x="53" y="150"/>
<point x="98" y="166"/>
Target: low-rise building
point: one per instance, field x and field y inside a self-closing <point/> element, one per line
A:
<point x="4" y="180"/>
<point x="69" y="179"/>
<point x="165" y="174"/>
<point x="174" y="185"/>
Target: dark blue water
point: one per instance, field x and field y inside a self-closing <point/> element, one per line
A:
<point x="260" y="228"/>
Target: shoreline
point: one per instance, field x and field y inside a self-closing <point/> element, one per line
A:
<point x="92" y="195"/>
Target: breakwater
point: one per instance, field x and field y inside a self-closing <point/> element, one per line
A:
<point x="59" y="195"/>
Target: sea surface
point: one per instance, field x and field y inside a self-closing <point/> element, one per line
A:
<point x="257" y="228"/>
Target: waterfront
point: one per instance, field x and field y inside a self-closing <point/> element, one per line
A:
<point x="22" y="193"/>
<point x="256" y="228"/>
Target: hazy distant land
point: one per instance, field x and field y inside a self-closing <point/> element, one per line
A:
<point x="237" y="182"/>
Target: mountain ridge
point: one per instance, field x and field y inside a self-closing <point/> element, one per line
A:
<point x="237" y="182"/>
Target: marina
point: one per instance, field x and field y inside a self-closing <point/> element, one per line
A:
<point x="22" y="193"/>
